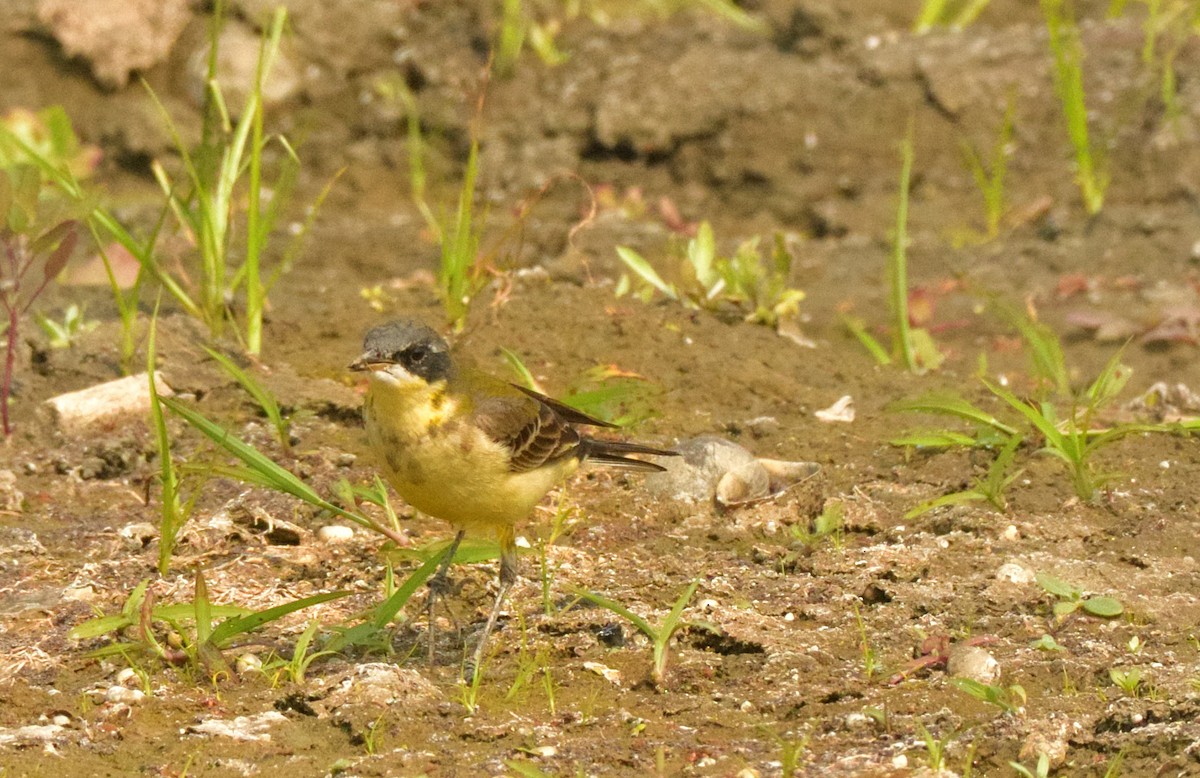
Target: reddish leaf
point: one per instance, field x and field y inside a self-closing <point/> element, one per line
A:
<point x="58" y="258"/>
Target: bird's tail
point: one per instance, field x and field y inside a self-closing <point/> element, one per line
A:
<point x="614" y="454"/>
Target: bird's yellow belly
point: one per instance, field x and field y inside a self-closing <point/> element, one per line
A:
<point x="454" y="472"/>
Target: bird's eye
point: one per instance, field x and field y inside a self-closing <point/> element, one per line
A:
<point x="416" y="354"/>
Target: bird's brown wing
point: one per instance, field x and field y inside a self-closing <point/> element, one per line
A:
<point x="532" y="430"/>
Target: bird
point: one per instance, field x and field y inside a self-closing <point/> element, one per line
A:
<point x="471" y="449"/>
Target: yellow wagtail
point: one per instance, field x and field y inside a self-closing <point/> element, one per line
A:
<point x="468" y="448"/>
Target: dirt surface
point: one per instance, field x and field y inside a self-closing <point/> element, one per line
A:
<point x="789" y="651"/>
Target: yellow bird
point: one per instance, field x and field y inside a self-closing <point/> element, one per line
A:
<point x="471" y="449"/>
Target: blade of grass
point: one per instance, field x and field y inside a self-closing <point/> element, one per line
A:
<point x="268" y="472"/>
<point x="898" y="267"/>
<point x="946" y="404"/>
<point x="237" y="625"/>
<point x="260" y="393"/>
<point x="644" y="270"/>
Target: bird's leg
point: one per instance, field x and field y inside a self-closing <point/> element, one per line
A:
<point x="508" y="576"/>
<point x="439" y="583"/>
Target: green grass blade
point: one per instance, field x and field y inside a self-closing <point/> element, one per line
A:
<point x="266" y="472"/>
<point x="898" y="266"/>
<point x="858" y="329"/>
<point x="238" y="625"/>
<point x="255" y="389"/>
<point x="387" y="610"/>
<point x="671" y="623"/>
<point x="526" y="378"/>
<point x="173" y="517"/>
<point x="948" y="404"/>
<point x="645" y="271"/>
<point x="619" y="609"/>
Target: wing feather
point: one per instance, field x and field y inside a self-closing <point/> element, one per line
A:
<point x="534" y="434"/>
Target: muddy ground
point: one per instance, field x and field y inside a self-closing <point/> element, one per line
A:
<point x="793" y="128"/>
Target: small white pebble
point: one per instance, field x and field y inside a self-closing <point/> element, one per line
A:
<point x="1015" y="573"/>
<point x="1011" y="532"/>
<point x="746" y="706"/>
<point x="789" y="616"/>
<point x="128" y="677"/>
<point x="857" y="720"/>
<point x="872" y="42"/>
<point x="1137" y="718"/>
<point x="708" y="606"/>
<point x="705" y="761"/>
<point x="124" y="694"/>
<point x="334" y="533"/>
<point x="544" y="751"/>
<point x="61" y="720"/>
<point x="748" y="772"/>
<point x="900" y="761"/>
<point x="247" y="663"/>
<point x="1165" y="464"/>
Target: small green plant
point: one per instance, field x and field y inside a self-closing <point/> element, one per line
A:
<point x="221" y="177"/>
<point x="1129" y="681"/>
<point x="538" y="23"/>
<point x="64" y="333"/>
<point x="955" y="14"/>
<point x="1068" y="431"/>
<point x="1010" y="699"/>
<point x="372" y="734"/>
<point x="470" y="682"/>
<point x="1115" y="764"/>
<point x="394" y="88"/>
<point x="460" y="274"/>
<point x="872" y="666"/>
<point x="1042" y="770"/>
<point x="266" y="401"/>
<point x="660" y="636"/>
<point x="375" y="494"/>
<point x="827" y="525"/>
<point x="936" y="748"/>
<point x="1071" y="599"/>
<point x="914" y="345"/>
<point x="174" y="512"/>
<point x="1047" y="643"/>
<point x="258" y="469"/>
<point x="990" y="488"/>
<point x="745" y="282"/>
<point x="1090" y="169"/>
<point x="295" y="668"/>
<point x="33" y="234"/>
<point x="990" y="174"/>
<point x="564" y="513"/>
<point x="203" y="643"/>
<point x="63" y="162"/>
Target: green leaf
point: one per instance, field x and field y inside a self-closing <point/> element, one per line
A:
<point x="701" y="253"/>
<point x="1058" y="587"/>
<point x="1104" y="607"/>
<point x="1064" y="608"/>
<point x="635" y="262"/>
<point x="949" y="404"/>
<point x="935" y="439"/>
<point x="251" y="621"/>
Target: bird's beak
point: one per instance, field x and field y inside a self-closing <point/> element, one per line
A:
<point x="367" y="362"/>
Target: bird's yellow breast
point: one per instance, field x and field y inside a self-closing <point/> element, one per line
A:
<point x="445" y="466"/>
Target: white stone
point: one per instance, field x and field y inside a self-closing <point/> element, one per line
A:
<point x="334" y="533"/>
<point x="128" y="396"/>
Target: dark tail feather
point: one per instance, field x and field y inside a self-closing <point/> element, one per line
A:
<point x="612" y="453"/>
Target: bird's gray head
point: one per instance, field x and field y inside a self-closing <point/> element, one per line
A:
<point x="405" y="350"/>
